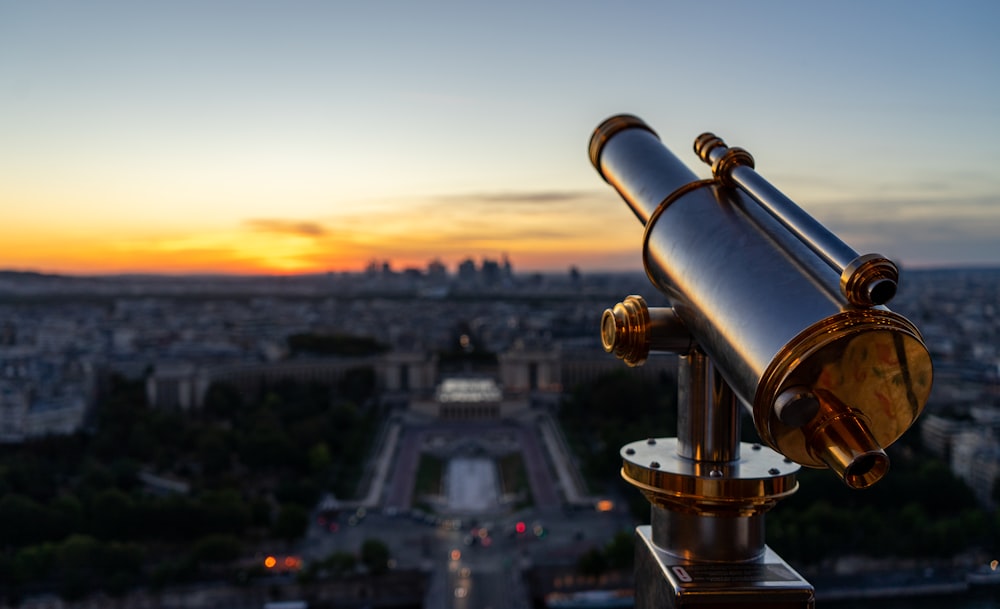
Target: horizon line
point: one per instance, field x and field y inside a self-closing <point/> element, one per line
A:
<point x="972" y="266"/>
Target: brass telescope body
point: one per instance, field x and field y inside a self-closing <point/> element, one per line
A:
<point x="769" y="310"/>
<point x="830" y="380"/>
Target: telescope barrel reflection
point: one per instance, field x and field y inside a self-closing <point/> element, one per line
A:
<point x="865" y="280"/>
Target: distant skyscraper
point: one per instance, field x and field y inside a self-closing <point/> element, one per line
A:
<point x="467" y="270"/>
<point x="490" y="271"/>
<point x="436" y="269"/>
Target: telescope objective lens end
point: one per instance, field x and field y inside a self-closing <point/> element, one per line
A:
<point x="609" y="128"/>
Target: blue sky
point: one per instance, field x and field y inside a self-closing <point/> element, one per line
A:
<point x="297" y="136"/>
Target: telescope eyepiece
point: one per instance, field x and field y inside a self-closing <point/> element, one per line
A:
<point x="881" y="291"/>
<point x="839" y="436"/>
<point x="870" y="280"/>
<point x="867" y="469"/>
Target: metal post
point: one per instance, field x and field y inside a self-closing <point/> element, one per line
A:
<point x="708" y="495"/>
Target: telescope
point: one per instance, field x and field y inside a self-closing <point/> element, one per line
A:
<point x="770" y="312"/>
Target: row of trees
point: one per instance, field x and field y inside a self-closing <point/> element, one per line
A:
<point x="918" y="510"/>
<point x="604" y="414"/>
<point x="79" y="514"/>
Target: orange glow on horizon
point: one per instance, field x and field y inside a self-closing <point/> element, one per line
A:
<point x="535" y="237"/>
<point x="263" y="254"/>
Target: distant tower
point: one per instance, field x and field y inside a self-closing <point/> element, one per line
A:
<point x="508" y="268"/>
<point x="490" y="271"/>
<point x="437" y="270"/>
<point x="467" y="270"/>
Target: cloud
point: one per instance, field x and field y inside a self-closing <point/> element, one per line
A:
<point x="928" y="232"/>
<point x="542" y="196"/>
<point x="291" y="227"/>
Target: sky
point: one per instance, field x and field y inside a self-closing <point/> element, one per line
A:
<point x="297" y="137"/>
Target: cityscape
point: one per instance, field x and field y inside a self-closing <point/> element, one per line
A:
<point x="452" y="474"/>
<point x="330" y="305"/>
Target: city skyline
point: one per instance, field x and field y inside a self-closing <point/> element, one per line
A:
<point x="255" y="138"/>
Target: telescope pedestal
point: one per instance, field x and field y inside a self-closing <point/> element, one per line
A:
<point x="794" y="320"/>
<point x="665" y="581"/>
<point x="709" y="493"/>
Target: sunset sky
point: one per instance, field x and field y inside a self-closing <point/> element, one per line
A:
<point x="276" y="137"/>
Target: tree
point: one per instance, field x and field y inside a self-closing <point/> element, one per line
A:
<point x="224" y="511"/>
<point x="375" y="556"/>
<point x="291" y="522"/>
<point x="319" y="458"/>
<point x="217" y="548"/>
<point x="114" y="515"/>
<point x="31" y="564"/>
<point x="340" y="563"/>
<point x="592" y="563"/>
<point x="24" y="521"/>
<point x="620" y="551"/>
<point x="222" y="401"/>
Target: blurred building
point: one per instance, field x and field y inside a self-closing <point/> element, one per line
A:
<point x="970" y="446"/>
<point x="43" y="393"/>
<point x="975" y="458"/>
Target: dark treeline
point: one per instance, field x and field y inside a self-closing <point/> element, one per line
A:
<point x="614" y="409"/>
<point x="918" y="510"/>
<point x="334" y="344"/>
<point x="80" y="513"/>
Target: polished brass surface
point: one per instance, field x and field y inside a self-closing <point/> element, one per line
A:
<point x="871" y="363"/>
<point x="765" y="307"/>
<point x="869" y="280"/>
<point x="631" y="330"/>
<point x="873" y="285"/>
<point x="638" y="156"/>
<point x="796" y="406"/>
<point x="749" y="486"/>
<point x="839" y="436"/>
<point x="625" y="330"/>
<point x="723" y="160"/>
<point x="779" y="315"/>
<point x="610" y="127"/>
